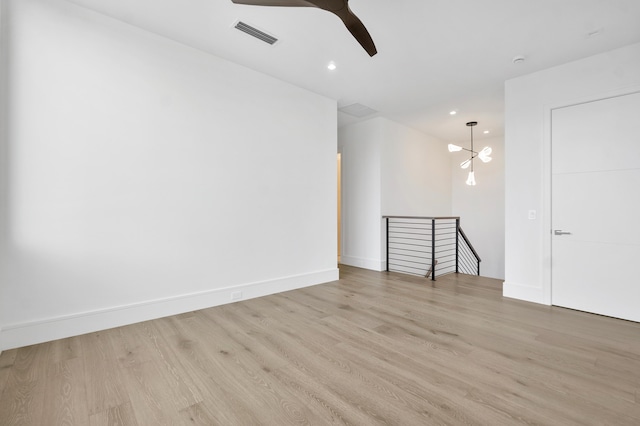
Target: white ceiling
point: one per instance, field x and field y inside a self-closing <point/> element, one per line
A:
<point x="433" y="55"/>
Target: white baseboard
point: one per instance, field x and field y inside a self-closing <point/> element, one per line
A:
<point x="361" y="262"/>
<point x="523" y="292"/>
<point x="44" y="330"/>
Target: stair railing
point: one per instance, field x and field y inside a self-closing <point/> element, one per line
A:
<point x="429" y="246"/>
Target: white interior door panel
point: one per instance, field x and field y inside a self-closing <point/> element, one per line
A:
<point x="596" y="201"/>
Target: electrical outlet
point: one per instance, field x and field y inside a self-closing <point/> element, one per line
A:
<point x="236" y="295"/>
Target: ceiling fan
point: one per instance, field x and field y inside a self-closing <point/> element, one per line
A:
<point x="340" y="8"/>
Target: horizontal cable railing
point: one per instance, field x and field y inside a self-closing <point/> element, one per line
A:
<point x="428" y="246"/>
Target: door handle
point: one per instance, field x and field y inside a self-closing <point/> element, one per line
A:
<point x="560" y="232"/>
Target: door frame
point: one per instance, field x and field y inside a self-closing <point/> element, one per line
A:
<point x="547" y="184"/>
<point x="339" y="178"/>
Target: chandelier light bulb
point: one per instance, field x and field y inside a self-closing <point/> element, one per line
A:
<point x="454" y="148"/>
<point x="471" y="180"/>
<point x="465" y="164"/>
<point x="484" y="154"/>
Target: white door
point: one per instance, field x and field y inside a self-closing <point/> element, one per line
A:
<point x="596" y="201"/>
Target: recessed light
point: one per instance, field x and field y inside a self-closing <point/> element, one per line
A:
<point x="486" y="132"/>
<point x="332" y="66"/>
<point x="518" y="59"/>
<point x="453" y="112"/>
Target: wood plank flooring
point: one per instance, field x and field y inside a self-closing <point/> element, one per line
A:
<point x="370" y="349"/>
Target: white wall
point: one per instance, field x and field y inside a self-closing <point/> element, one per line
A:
<point x="147" y="178"/>
<point x="416" y="174"/>
<point x="3" y="148"/>
<point x="360" y="145"/>
<point x="387" y="169"/>
<point x="481" y="207"/>
<point x="529" y="101"/>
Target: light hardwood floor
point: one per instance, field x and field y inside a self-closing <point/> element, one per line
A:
<point x="372" y="348"/>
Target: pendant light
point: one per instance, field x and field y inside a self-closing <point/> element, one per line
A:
<point x="483" y="155"/>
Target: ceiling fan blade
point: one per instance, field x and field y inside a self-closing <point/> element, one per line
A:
<point x="340" y="8"/>
<point x="358" y="30"/>
<point x="291" y="3"/>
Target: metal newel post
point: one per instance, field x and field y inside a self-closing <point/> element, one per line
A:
<point x="433" y="249"/>
<point x="387" y="244"/>
<point x="457" y="246"/>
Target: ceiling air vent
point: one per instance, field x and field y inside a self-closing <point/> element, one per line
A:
<point x="252" y="31"/>
<point x="357" y="110"/>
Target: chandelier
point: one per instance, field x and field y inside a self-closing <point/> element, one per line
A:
<point x="482" y="155"/>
